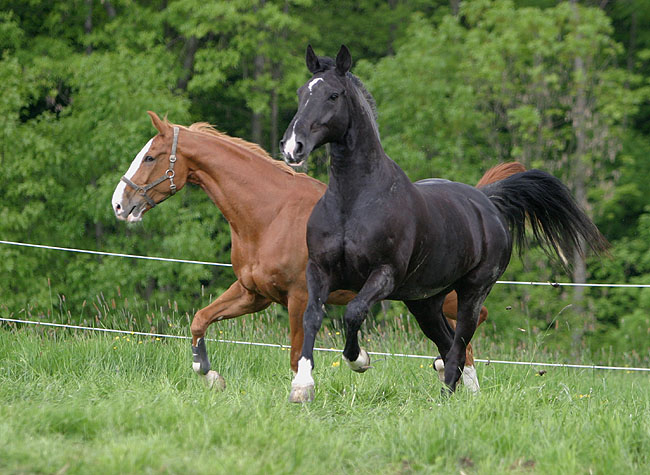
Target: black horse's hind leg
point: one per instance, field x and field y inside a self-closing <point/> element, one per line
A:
<point x="434" y="325"/>
<point x="302" y="386"/>
<point x="380" y="284"/>
<point x="469" y="307"/>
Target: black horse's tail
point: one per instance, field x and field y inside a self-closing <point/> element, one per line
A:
<point x="556" y="221"/>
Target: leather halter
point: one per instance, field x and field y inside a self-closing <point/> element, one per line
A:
<point x="169" y="175"/>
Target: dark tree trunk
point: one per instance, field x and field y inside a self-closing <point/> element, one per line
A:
<point x="256" y="119"/>
<point x="455" y="7"/>
<point x="579" y="173"/>
<point x="110" y="9"/>
<point x="191" y="46"/>
<point x="88" y="24"/>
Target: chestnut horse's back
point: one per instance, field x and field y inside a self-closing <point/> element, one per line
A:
<point x="500" y="172"/>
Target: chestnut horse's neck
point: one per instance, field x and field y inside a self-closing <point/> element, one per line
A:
<point x="246" y="184"/>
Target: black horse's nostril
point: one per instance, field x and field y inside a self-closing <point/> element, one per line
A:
<point x="282" y="144"/>
<point x="298" y="150"/>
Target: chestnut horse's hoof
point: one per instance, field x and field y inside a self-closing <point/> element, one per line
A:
<point x="361" y="364"/>
<point x="302" y="394"/>
<point x="214" y="381"/>
<point x="470" y="379"/>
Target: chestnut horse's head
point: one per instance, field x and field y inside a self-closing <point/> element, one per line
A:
<point x="156" y="173"/>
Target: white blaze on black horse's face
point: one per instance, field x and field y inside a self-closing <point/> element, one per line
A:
<point x="322" y="114"/>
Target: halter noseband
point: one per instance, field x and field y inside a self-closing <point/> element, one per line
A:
<point x="169" y="175"/>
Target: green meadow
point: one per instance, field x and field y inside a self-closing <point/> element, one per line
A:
<point x="80" y="402"/>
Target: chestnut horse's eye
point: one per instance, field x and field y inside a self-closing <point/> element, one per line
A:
<point x="149" y="158"/>
<point x="334" y="96"/>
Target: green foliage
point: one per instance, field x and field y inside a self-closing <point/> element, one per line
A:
<point x="456" y="95"/>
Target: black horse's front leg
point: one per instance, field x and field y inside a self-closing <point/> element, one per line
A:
<point x="302" y="386"/>
<point x="380" y="284"/>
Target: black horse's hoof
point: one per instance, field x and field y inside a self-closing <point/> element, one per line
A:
<point x="361" y="364"/>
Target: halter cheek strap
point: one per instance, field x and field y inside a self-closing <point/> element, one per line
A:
<point x="169" y="175"/>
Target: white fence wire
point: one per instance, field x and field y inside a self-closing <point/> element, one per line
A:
<point x="275" y="345"/>
<point x="186" y="261"/>
<point x="332" y="350"/>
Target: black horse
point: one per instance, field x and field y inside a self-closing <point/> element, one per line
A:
<point x="377" y="233"/>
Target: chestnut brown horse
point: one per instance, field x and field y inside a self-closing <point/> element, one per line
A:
<point x="267" y="205"/>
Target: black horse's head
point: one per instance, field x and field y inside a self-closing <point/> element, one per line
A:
<point x="323" y="107"/>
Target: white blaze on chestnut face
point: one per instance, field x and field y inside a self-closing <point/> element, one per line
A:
<point x="118" y="194"/>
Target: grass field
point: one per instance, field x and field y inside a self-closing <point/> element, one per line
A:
<point x="74" y="402"/>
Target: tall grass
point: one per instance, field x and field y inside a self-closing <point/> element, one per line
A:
<point x="73" y="402"/>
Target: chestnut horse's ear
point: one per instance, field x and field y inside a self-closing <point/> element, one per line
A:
<point x="157" y="122"/>
<point x="312" y="61"/>
<point x="343" y="61"/>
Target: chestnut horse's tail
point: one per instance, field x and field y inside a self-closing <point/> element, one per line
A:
<point x="499" y="172"/>
<point x="557" y="222"/>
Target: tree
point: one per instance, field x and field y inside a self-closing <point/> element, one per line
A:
<point x="501" y="83"/>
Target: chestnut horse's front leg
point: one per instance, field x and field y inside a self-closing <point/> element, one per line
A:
<point x="234" y="302"/>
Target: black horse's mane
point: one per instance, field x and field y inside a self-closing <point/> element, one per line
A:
<point x="327" y="63"/>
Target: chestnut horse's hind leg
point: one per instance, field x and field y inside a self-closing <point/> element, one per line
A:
<point x="234" y="302"/>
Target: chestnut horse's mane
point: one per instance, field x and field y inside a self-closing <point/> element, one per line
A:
<point x="207" y="129"/>
<point x="499" y="172"/>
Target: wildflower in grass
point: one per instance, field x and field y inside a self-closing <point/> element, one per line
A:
<point x="115" y="347"/>
<point x="336" y="364"/>
<point x="157" y="339"/>
<point x="338" y="333"/>
<point x="128" y="339"/>
<point x="117" y="337"/>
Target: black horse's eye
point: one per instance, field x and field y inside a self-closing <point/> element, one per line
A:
<point x="149" y="158"/>
<point x="334" y="96"/>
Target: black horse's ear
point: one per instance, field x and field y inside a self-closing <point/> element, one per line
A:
<point x="343" y="60"/>
<point x="312" y="61"/>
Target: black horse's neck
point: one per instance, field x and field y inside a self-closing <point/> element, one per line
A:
<point x="359" y="154"/>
